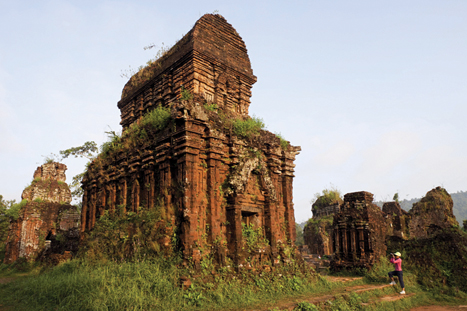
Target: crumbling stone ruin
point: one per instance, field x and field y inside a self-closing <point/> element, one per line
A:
<point x="318" y="231"/>
<point x="362" y="232"/>
<point x="359" y="232"/>
<point x="209" y="175"/>
<point x="432" y="213"/>
<point x="396" y="221"/>
<point x="48" y="226"/>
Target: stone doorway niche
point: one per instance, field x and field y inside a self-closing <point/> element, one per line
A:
<point x="249" y="218"/>
<point x="48" y="240"/>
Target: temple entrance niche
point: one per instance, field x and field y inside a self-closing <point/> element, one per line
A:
<point x="250" y="219"/>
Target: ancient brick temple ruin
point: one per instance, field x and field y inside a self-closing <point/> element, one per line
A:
<point x="318" y="231"/>
<point x="432" y="214"/>
<point x="397" y="221"/>
<point x="359" y="232"/>
<point x="206" y="178"/>
<point x="47" y="226"/>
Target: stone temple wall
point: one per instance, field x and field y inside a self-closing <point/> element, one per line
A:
<point x="318" y="232"/>
<point x="397" y="221"/>
<point x="207" y="180"/>
<point x="359" y="232"/>
<point x="210" y="61"/>
<point x="47" y="225"/>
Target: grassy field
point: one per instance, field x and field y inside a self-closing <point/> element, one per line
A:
<point x="154" y="285"/>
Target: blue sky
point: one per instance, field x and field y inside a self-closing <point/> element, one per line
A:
<point x="374" y="92"/>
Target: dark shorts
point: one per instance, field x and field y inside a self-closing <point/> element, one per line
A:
<point x="399" y="275"/>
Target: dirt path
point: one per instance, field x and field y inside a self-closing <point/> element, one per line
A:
<point x="291" y="303"/>
<point x="6" y="280"/>
<point x="440" y="308"/>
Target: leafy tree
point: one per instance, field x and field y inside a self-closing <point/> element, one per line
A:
<point x="88" y="150"/>
<point x="5" y="206"/>
<point x="4" y="219"/>
<point x="396" y="197"/>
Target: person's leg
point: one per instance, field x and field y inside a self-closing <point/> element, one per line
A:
<point x="391" y="277"/>
<point x="401" y="280"/>
<point x="400" y="276"/>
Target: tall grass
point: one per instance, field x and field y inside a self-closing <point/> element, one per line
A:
<point x="78" y="285"/>
<point x="153" y="285"/>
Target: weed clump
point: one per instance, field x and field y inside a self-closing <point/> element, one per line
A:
<point x="327" y="197"/>
<point x="137" y="134"/>
<point x="248" y="127"/>
<point x="284" y="143"/>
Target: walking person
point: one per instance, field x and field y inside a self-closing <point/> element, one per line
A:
<point x="397" y="261"/>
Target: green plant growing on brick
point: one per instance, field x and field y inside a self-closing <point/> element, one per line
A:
<point x="211" y="107"/>
<point x="185" y="94"/>
<point x="253" y="237"/>
<point x="156" y="119"/>
<point x="113" y="142"/>
<point x="248" y="127"/>
<point x="284" y="143"/>
<point x="51" y="158"/>
<point x="118" y="237"/>
<point x="327" y="197"/>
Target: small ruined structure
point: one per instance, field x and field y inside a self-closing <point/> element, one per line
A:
<point x="432" y="214"/>
<point x="396" y="221"/>
<point x="359" y="232"/>
<point x="208" y="180"/>
<point x="318" y="232"/>
<point x="47" y="225"/>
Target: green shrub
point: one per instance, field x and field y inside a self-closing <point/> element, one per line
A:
<point x="156" y="119"/>
<point x="253" y="237"/>
<point x="211" y="107"/>
<point x="113" y="143"/>
<point x="249" y="127"/>
<point x="305" y="306"/>
<point x="185" y="94"/>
